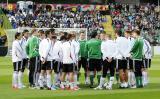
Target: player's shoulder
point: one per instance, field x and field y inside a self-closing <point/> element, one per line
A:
<point x="44" y="40"/>
<point x="15" y="42"/>
<point x="58" y="43"/>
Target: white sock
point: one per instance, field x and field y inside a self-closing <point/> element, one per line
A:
<point x="133" y="79"/>
<point x="144" y="77"/>
<point x="56" y="77"/>
<point x="45" y="80"/>
<point x="71" y="84"/>
<point x="87" y="79"/>
<point x="37" y="78"/>
<point x="102" y="81"/>
<point x="49" y="81"/>
<point x="111" y="80"/>
<point x="67" y="77"/>
<point x="67" y="83"/>
<point x="147" y="78"/>
<point x="62" y="84"/>
<point x="15" y="79"/>
<point x="20" y="79"/>
<point x="41" y="80"/>
<point x="129" y="78"/>
<point x="75" y="78"/>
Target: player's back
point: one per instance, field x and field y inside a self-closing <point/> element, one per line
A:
<point x="66" y="51"/>
<point x="122" y="46"/>
<point x="93" y="48"/>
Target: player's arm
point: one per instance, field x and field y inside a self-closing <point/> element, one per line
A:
<point x="135" y="46"/>
<point x="86" y="50"/>
<point x="60" y="53"/>
<point x="27" y="47"/>
<point x="103" y="48"/>
<point x="41" y="50"/>
<point x="116" y="51"/>
<point x="77" y="48"/>
<point x="46" y="49"/>
<point x="14" y="50"/>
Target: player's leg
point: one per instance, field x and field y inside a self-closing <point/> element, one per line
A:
<point x="121" y="73"/>
<point x="91" y="72"/>
<point x="15" y="75"/>
<point x="37" y="73"/>
<point x="144" y="71"/>
<point x="98" y="68"/>
<point x="129" y="73"/>
<point x="31" y="71"/>
<point x="63" y="75"/>
<point x="117" y="72"/>
<point x="75" y="71"/>
<point x="103" y="77"/>
<point x="49" y="67"/>
<point x="112" y="72"/>
<point x="138" y="73"/>
<point x="20" y="73"/>
<point x="79" y="68"/>
<point x="72" y="84"/>
<point x="56" y="67"/>
<point x="85" y="67"/>
<point x="125" y="73"/>
<point x="42" y="75"/>
<point x="41" y="79"/>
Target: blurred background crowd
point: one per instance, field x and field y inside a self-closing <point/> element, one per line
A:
<point x="145" y="17"/>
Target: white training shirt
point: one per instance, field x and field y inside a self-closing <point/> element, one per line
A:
<point x="147" y="50"/>
<point x="17" y="51"/>
<point x="131" y="43"/>
<point x="122" y="46"/>
<point x="56" y="51"/>
<point x="68" y="52"/>
<point x="23" y="43"/>
<point x="45" y="48"/>
<point x="76" y="46"/>
<point x="108" y="48"/>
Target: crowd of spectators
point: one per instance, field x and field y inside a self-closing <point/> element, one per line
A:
<point x="143" y="17"/>
<point x="124" y="17"/>
<point x="59" y="18"/>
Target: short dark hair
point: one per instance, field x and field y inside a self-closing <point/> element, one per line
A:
<point x="73" y="35"/>
<point x="62" y="38"/>
<point x="47" y="32"/>
<point x="94" y="34"/>
<point x="81" y="32"/>
<point x="109" y="36"/>
<point x="41" y="31"/>
<point x="65" y="33"/>
<point x="137" y="32"/>
<point x="52" y="30"/>
<point x="128" y="32"/>
<point x="69" y="36"/>
<point x="17" y="35"/>
<point x="33" y="31"/>
<point x="24" y="31"/>
<point x="118" y="32"/>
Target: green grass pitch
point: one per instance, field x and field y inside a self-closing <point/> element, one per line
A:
<point x="152" y="91"/>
